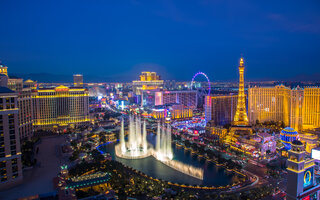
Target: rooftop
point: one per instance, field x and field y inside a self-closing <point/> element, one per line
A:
<point x="5" y="90"/>
<point x="297" y="142"/>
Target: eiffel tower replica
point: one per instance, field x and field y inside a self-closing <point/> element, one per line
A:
<point x="240" y="125"/>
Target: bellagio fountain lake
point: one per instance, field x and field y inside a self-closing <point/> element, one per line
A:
<point x="156" y="156"/>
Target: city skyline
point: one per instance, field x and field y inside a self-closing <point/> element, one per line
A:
<point x="160" y="99"/>
<point x="121" y="39"/>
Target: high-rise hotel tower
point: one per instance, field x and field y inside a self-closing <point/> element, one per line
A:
<point x="60" y="107"/>
<point x="311" y="108"/>
<point x="78" y="80"/>
<point x="10" y="153"/>
<point x="269" y="104"/>
<point x="296" y="107"/>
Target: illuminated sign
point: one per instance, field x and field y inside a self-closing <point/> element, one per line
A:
<point x="61" y="88"/>
<point x="311" y="197"/>
<point x="308" y="178"/>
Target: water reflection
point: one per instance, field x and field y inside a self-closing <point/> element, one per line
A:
<point x="213" y="175"/>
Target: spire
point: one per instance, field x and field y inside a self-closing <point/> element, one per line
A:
<point x="241" y="61"/>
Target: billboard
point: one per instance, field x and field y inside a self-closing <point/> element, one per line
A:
<point x="308" y="178"/>
<point x="315" y="154"/>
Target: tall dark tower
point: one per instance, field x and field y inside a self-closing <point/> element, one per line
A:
<point x="301" y="181"/>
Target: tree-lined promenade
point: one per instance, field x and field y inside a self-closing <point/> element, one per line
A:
<point x="128" y="182"/>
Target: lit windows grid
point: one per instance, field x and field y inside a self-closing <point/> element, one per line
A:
<point x="55" y="107"/>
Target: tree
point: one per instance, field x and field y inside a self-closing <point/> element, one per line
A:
<point x="74" y="156"/>
<point x="97" y="156"/>
<point x="74" y="144"/>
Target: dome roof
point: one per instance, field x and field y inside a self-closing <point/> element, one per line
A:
<point x="297" y="142"/>
<point x="289" y="130"/>
<point x="29" y="81"/>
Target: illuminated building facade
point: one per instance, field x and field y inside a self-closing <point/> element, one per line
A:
<point x="301" y="182"/>
<point x="3" y="69"/>
<point x="78" y="80"/>
<point x="259" y="145"/>
<point x="309" y="140"/>
<point x="172" y="111"/>
<point x="10" y="153"/>
<point x="185" y="97"/>
<point x="60" y="107"/>
<point x="148" y="81"/>
<point x="297" y="107"/>
<point x="269" y="104"/>
<point x="311" y="108"/>
<point x="220" y="110"/>
<point x="267" y="144"/>
<point x="216" y="132"/>
<point x="157" y="98"/>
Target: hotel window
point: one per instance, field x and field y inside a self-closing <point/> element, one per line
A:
<point x="2" y="164"/>
<point x="7" y="102"/>
<point x="2" y="154"/>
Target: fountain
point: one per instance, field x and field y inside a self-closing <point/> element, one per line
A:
<point x="158" y="138"/>
<point x="144" y="137"/>
<point x="137" y="147"/>
<point x="163" y="144"/>
<point x="122" y="141"/>
<point x="164" y="154"/>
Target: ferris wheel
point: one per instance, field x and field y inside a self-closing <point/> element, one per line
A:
<point x="201" y="91"/>
<point x="204" y="90"/>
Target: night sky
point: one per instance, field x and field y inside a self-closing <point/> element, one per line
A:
<point x="117" y="39"/>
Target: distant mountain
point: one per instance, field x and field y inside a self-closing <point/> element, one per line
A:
<point x="306" y="77"/>
<point x="62" y="78"/>
<point x="45" y="77"/>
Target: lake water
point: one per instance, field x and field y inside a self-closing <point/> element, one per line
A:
<point x="213" y="175"/>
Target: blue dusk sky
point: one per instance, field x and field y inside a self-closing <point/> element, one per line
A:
<point x="116" y="39"/>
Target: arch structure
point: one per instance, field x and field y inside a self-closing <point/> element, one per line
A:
<point x="203" y="74"/>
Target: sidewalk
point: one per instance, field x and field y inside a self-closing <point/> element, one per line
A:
<point x="39" y="179"/>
